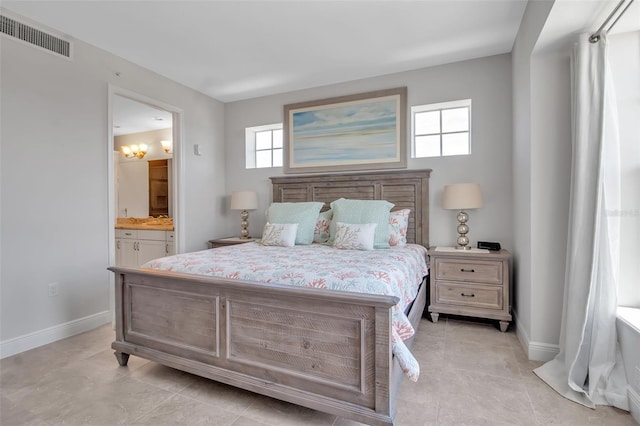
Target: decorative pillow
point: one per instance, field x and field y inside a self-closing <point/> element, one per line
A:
<point x="354" y="236"/>
<point x="279" y="234"/>
<point x="363" y="211"/>
<point x="398" y="224"/>
<point x="321" y="233"/>
<point x="304" y="214"/>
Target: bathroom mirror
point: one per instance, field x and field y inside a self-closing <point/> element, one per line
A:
<point x="143" y="156"/>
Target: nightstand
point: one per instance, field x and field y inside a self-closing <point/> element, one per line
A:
<point x="230" y="241"/>
<point x="473" y="283"/>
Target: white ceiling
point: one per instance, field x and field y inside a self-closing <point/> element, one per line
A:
<point x="130" y="116"/>
<point x="234" y="50"/>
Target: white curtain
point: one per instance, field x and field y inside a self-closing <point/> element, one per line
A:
<point x="589" y="367"/>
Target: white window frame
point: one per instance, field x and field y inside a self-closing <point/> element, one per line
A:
<point x="438" y="107"/>
<point x="250" y="144"/>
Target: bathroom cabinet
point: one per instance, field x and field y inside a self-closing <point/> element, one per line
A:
<point x="134" y="247"/>
<point x="158" y="188"/>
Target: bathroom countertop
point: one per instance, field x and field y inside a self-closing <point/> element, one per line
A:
<point x="149" y="223"/>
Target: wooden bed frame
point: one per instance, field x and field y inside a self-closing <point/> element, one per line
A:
<point x="326" y="350"/>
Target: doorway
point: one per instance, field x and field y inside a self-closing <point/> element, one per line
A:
<point x="142" y="138"/>
<point x="149" y="131"/>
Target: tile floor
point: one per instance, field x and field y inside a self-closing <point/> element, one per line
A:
<point x="472" y="374"/>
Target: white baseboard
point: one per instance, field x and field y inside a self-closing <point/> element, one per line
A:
<point x="539" y="351"/>
<point x="52" y="334"/>
<point x="536" y="351"/>
<point x="634" y="404"/>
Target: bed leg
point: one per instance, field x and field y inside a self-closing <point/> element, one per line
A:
<point x="434" y="317"/>
<point x="123" y="358"/>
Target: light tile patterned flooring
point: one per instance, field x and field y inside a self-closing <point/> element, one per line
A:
<point x="472" y="374"/>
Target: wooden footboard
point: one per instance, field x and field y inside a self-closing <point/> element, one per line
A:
<point x="321" y="349"/>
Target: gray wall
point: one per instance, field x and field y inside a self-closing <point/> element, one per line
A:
<point x="487" y="81"/>
<point x="54" y="184"/>
<point x="550" y="188"/>
<point x="542" y="167"/>
<point x="530" y="27"/>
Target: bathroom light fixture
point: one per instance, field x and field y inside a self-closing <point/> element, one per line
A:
<point x="462" y="196"/>
<point x="134" y="150"/>
<point x="244" y="200"/>
<point x="166" y="146"/>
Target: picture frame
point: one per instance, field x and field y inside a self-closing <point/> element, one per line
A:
<point x="347" y="133"/>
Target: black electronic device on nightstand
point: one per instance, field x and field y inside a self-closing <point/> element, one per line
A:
<point x="489" y="245"/>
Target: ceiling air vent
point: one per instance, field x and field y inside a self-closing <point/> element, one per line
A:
<point x="34" y="36"/>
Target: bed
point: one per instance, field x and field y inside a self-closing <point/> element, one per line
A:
<point x="340" y="359"/>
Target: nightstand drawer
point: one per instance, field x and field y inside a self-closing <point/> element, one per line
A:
<point x="479" y="271"/>
<point x="470" y="295"/>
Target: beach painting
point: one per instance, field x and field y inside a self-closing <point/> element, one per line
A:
<point x="365" y="131"/>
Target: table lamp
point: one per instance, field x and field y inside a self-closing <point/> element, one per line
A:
<point x="244" y="200"/>
<point x="461" y="197"/>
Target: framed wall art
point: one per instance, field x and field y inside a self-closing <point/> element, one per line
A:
<point x="355" y="132"/>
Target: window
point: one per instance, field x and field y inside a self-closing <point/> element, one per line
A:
<point x="624" y="71"/>
<point x="440" y="130"/>
<point x="263" y="146"/>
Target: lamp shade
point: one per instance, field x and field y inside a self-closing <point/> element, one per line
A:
<point x="460" y="196"/>
<point x="244" y="200"/>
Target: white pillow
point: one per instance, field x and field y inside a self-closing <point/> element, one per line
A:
<point x="358" y="236"/>
<point x="305" y="214"/>
<point x="279" y="234"/>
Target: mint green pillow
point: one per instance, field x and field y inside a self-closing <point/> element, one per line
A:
<point x="363" y="211"/>
<point x="304" y="214"/>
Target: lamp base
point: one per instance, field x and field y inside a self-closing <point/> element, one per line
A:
<point x="244" y="225"/>
<point x="463" y="229"/>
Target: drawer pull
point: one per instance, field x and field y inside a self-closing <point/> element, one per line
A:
<point x="467" y="295"/>
<point x="467" y="270"/>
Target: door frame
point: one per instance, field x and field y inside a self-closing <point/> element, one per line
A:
<point x="177" y="185"/>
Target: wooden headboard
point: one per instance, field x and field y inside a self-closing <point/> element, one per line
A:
<point x="407" y="189"/>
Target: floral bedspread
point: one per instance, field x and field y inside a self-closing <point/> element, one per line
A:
<point x="397" y="271"/>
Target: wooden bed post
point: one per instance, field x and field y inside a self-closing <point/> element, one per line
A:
<point x="383" y="362"/>
<point x="123" y="358"/>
